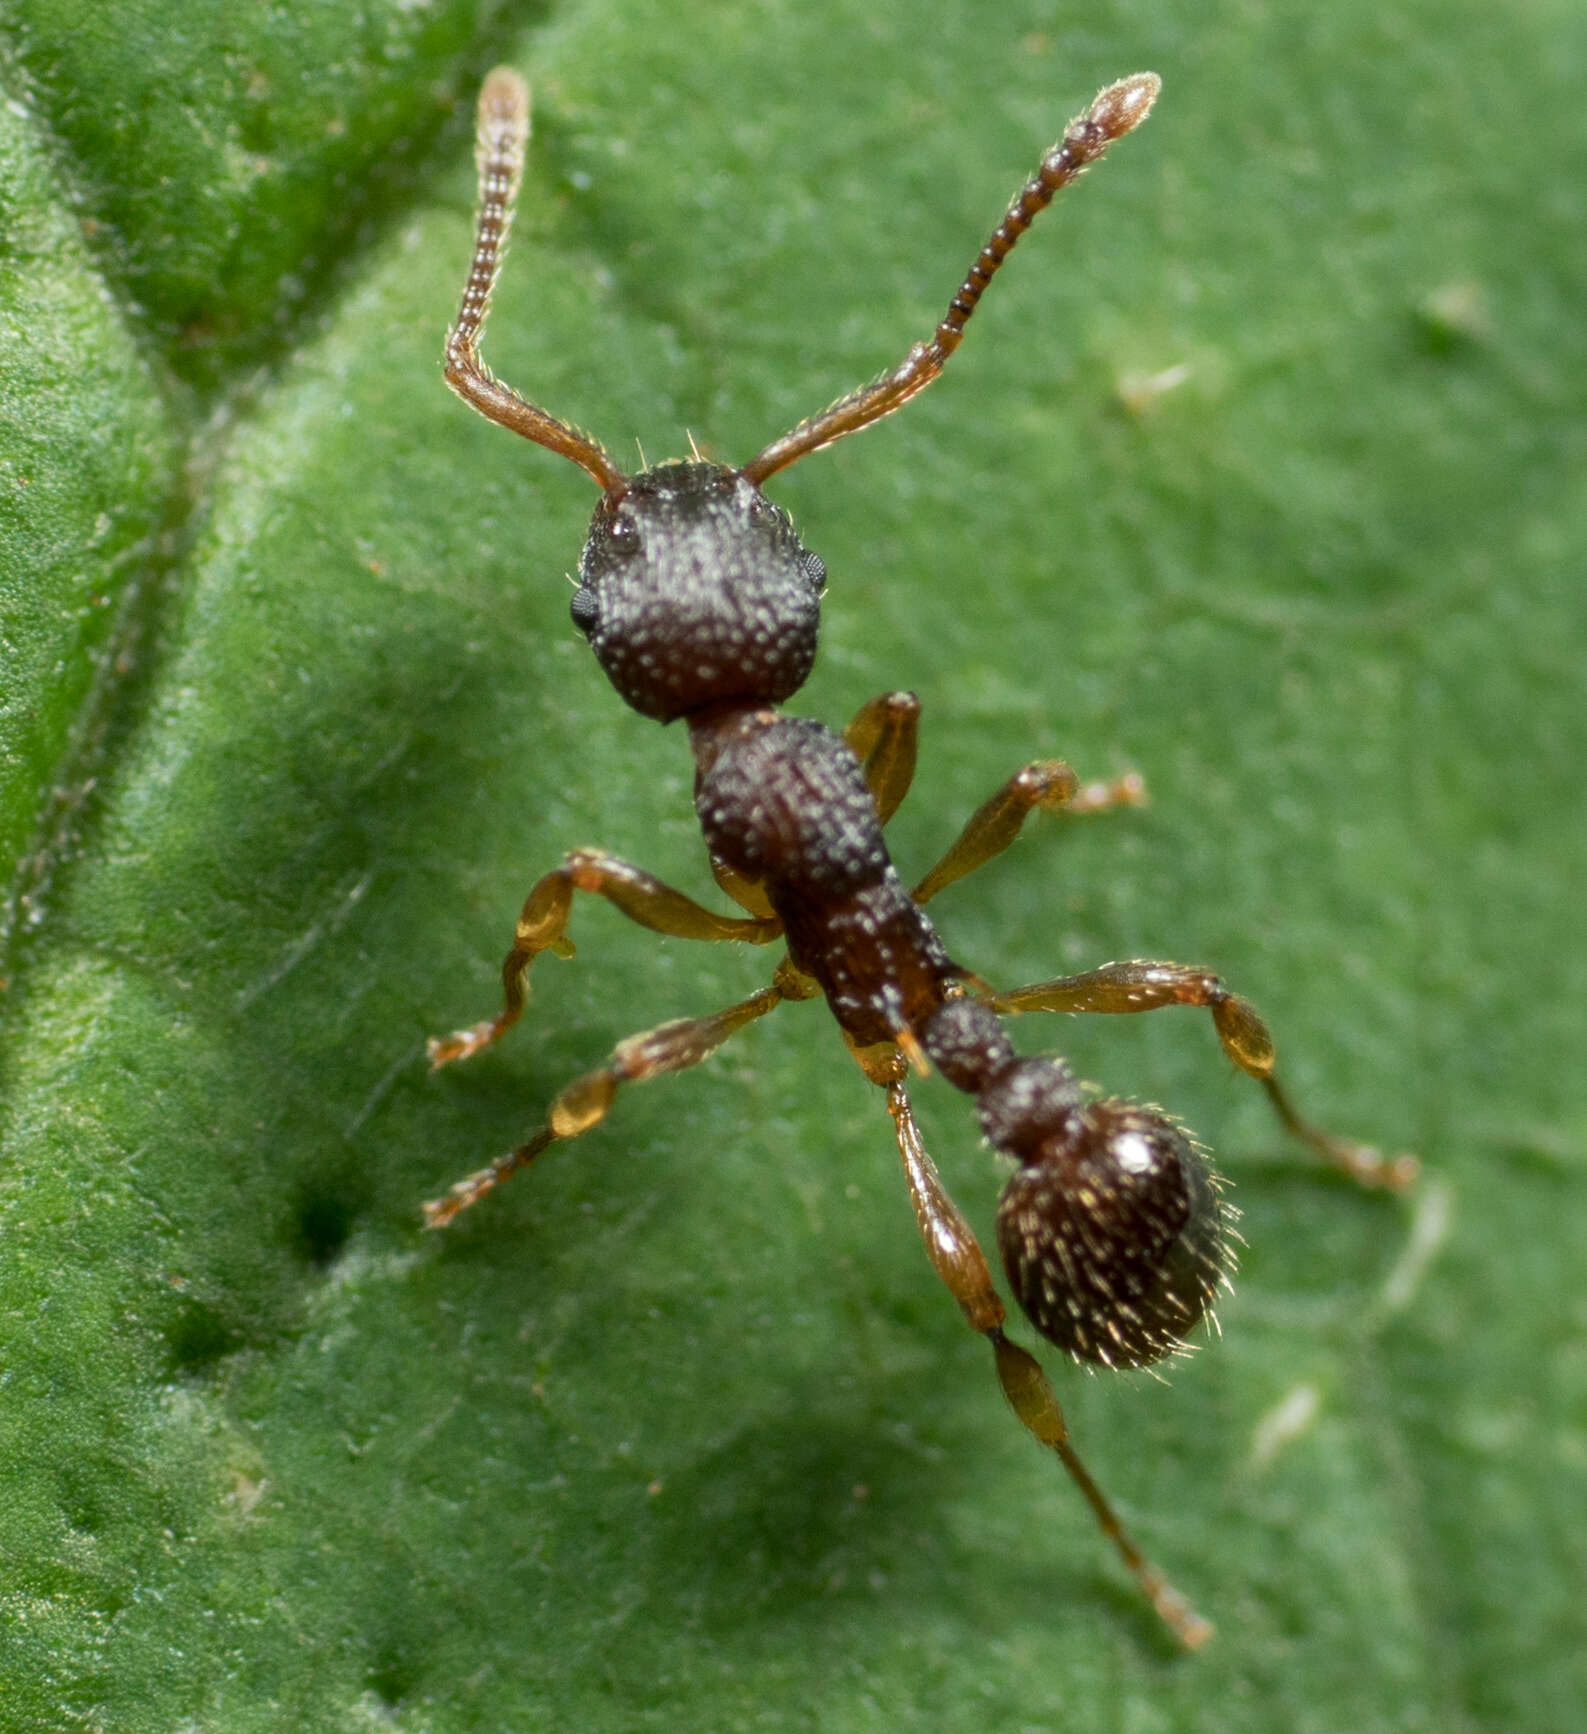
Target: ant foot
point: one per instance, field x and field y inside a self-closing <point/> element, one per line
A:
<point x="1369" y="1167"/>
<point x="460" y="1045"/>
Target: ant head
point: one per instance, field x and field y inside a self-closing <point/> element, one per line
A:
<point x="695" y="591"/>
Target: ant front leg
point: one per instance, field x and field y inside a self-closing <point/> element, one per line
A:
<point x="1047" y="783"/>
<point x="543" y="924"/>
<point x="1143" y="986"/>
<point x="885" y="737"/>
<point x="583" y="1104"/>
<point x="959" y="1261"/>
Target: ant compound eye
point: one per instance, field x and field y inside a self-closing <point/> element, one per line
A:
<point x="815" y="572"/>
<point x="584" y="608"/>
<point x="1113" y="1235"/>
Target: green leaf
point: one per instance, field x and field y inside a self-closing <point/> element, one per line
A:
<point x="1261" y="470"/>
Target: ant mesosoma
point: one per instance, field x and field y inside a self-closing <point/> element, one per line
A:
<point x="701" y="603"/>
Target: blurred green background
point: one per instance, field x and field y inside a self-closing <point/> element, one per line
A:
<point x="1261" y="471"/>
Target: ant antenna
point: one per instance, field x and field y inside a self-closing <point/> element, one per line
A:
<point x="503" y="133"/>
<point x="1117" y="110"/>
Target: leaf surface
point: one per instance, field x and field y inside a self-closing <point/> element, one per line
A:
<point x="1261" y="471"/>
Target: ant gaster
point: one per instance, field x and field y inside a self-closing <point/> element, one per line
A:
<point x="701" y="604"/>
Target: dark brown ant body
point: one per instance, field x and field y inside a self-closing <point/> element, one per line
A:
<point x="701" y="604"/>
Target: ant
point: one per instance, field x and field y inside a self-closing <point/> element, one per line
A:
<point x="701" y="604"/>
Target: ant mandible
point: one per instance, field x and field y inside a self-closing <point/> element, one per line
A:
<point x="701" y="603"/>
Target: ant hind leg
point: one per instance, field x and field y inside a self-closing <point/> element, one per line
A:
<point x="1145" y="986"/>
<point x="958" y="1260"/>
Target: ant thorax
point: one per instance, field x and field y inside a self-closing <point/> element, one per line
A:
<point x="783" y="802"/>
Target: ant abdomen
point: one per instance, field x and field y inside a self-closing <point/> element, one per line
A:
<point x="1112" y="1231"/>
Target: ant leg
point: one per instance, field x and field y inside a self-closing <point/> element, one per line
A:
<point x="885" y="735"/>
<point x="669" y="1047"/>
<point x="747" y="893"/>
<point x="959" y="1261"/>
<point x="542" y="926"/>
<point x="1048" y="783"/>
<point x="1142" y="986"/>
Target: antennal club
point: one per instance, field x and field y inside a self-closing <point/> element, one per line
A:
<point x="503" y="134"/>
<point x="1117" y="110"/>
